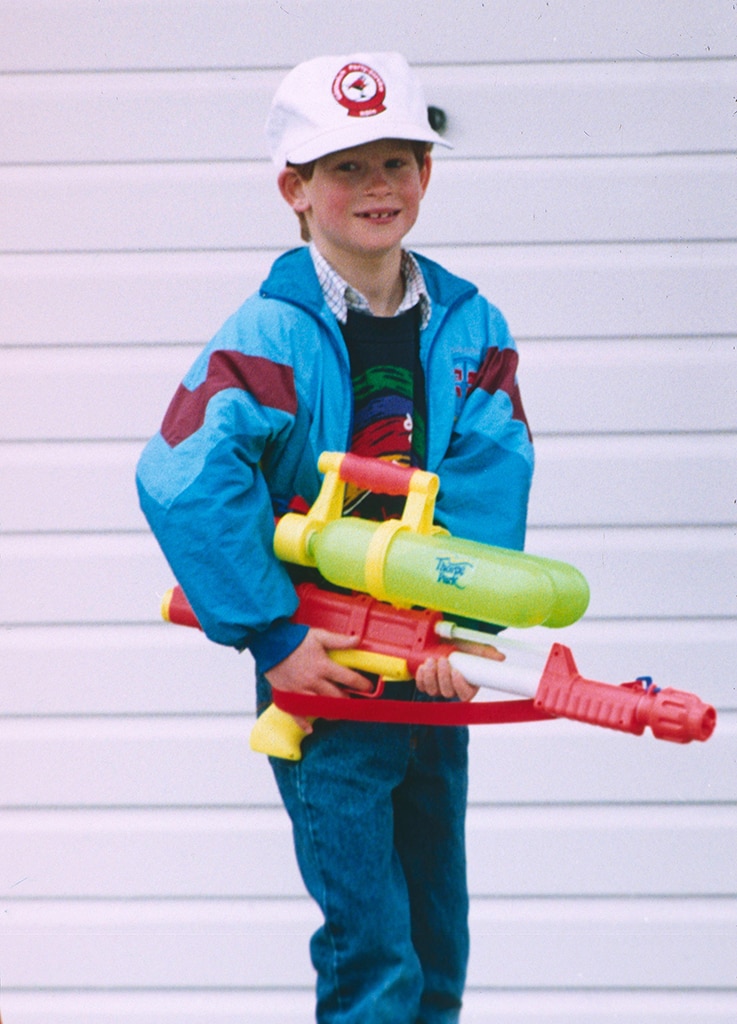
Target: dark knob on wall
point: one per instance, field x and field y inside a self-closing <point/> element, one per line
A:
<point x="438" y="119"/>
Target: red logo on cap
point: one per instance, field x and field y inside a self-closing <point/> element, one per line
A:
<point x="360" y="89"/>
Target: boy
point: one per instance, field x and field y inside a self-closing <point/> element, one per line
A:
<point x="351" y="343"/>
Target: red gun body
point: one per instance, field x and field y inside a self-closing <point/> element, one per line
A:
<point x="409" y="635"/>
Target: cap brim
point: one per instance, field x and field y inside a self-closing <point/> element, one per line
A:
<point x="358" y="134"/>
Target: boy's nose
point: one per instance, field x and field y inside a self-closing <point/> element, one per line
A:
<point x="377" y="180"/>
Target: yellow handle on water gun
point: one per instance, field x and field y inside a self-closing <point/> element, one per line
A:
<point x="277" y="734"/>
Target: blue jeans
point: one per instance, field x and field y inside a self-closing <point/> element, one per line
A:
<point x="378" y="815"/>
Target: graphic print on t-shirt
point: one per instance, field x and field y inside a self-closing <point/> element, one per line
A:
<point x="388" y="401"/>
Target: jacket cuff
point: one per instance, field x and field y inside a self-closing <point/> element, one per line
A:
<point x="276" y="643"/>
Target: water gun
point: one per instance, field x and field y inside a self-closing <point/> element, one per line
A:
<point x="402" y="576"/>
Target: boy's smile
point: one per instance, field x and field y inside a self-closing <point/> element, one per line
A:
<point x="361" y="202"/>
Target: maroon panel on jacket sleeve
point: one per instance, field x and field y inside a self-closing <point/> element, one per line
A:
<point x="498" y="372"/>
<point x="271" y="384"/>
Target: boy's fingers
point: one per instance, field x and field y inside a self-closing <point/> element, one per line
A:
<point x="481" y="650"/>
<point x="426" y="678"/>
<point x="445" y="678"/>
<point x="336" y="641"/>
<point x="342" y="675"/>
<point x="438" y="678"/>
<point x="353" y="681"/>
<point x="310" y="669"/>
<point x="464" y="690"/>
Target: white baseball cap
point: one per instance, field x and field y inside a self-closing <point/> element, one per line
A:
<point x="332" y="103"/>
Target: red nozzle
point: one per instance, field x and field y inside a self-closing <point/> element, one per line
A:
<point x="677" y="716"/>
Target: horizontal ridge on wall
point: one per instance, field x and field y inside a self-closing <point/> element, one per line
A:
<point x="547" y="110"/>
<point x="84" y="35"/>
<point x="557" y="291"/>
<point x="198" y="207"/>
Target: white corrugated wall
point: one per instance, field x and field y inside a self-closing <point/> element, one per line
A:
<point x="146" y="872"/>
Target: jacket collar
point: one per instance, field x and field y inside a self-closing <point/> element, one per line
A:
<point x="293" y="279"/>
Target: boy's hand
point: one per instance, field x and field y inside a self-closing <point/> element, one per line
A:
<point x="438" y="678"/>
<point x="310" y="669"/>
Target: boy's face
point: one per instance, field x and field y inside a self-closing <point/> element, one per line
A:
<point x="360" y="202"/>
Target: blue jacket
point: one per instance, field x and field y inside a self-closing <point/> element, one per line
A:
<point x="270" y="392"/>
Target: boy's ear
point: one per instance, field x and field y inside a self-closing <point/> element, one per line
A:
<point x="292" y="188"/>
<point x="425" y="172"/>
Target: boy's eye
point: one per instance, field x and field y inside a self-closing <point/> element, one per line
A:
<point x="390" y="164"/>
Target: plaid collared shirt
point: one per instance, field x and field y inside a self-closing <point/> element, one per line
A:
<point x="341" y="297"/>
